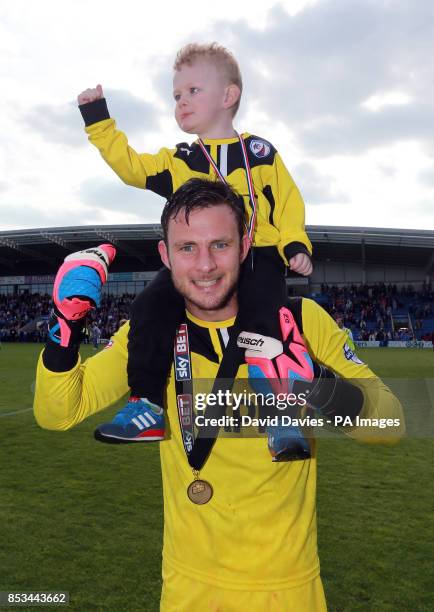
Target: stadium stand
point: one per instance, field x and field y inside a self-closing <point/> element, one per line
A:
<point x="372" y="312"/>
<point x="378" y="281"/>
<point x="380" y="312"/>
<point x="25" y="320"/>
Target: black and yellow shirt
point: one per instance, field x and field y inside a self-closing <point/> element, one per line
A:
<point x="258" y="532"/>
<point x="280" y="207"/>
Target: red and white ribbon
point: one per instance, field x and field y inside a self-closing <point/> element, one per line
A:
<point x="252" y="198"/>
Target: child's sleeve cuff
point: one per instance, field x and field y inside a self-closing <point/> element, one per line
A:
<point x="293" y="248"/>
<point x="92" y="112"/>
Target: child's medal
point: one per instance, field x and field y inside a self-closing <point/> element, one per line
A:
<point x="199" y="491"/>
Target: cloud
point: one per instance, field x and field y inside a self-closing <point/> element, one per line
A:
<point x="315" y="70"/>
<point x="425" y="205"/>
<point x="316" y="187"/>
<point x="31" y="217"/>
<point x="106" y="195"/>
<point x="64" y="124"/>
<point x="387" y="170"/>
<point x="426" y="177"/>
<point x="360" y="131"/>
<point x="161" y="70"/>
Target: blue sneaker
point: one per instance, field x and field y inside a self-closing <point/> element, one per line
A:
<point x="287" y="443"/>
<point x="139" y="421"/>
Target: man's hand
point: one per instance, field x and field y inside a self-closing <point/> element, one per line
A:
<point x="273" y="368"/>
<point x="90" y="95"/>
<point x="276" y="367"/>
<point x="78" y="283"/>
<point x="77" y="289"/>
<point x="277" y="364"/>
<point x="301" y="263"/>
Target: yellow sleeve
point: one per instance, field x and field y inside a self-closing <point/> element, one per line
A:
<point x="133" y="168"/>
<point x="327" y="344"/>
<point x="64" y="399"/>
<point x="289" y="215"/>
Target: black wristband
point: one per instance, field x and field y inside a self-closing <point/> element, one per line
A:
<point x="92" y="112"/>
<point x="293" y="248"/>
<point x="59" y="359"/>
<point x="331" y="395"/>
<point x="74" y="335"/>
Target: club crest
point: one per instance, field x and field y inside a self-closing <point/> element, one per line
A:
<point x="351" y="355"/>
<point x="260" y="148"/>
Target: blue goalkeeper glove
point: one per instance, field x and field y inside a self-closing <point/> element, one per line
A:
<point x="273" y="368"/>
<point x="77" y="289"/>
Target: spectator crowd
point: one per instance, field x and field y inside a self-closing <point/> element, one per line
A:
<point x="24" y="318"/>
<point x="366" y="310"/>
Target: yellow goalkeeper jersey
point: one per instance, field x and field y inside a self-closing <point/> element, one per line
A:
<point x="258" y="532"/>
<point x="280" y="207"/>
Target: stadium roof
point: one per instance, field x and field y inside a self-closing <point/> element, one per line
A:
<point x="40" y="250"/>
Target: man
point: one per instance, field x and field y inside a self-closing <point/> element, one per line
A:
<point x="347" y="330"/>
<point x="95" y="335"/>
<point x="241" y="534"/>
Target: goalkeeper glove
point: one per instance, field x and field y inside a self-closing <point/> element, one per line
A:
<point x="276" y="367"/>
<point x="77" y="289"/>
<point x="273" y="366"/>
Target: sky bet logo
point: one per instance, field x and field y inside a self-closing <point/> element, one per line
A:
<point x="182" y="360"/>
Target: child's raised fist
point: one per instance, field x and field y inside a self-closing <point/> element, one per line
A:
<point x="90" y="95"/>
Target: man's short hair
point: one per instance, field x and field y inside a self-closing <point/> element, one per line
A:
<point x="197" y="194"/>
<point x="217" y="55"/>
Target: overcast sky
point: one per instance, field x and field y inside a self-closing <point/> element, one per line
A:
<point x="343" y="88"/>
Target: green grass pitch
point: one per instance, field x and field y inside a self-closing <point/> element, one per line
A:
<point x="85" y="517"/>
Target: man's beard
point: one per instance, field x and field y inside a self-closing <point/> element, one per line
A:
<point x="222" y="302"/>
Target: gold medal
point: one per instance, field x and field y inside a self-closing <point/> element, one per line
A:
<point x="199" y="491"/>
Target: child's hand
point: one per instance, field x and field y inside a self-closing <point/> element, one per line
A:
<point x="301" y="263"/>
<point x="90" y="95"/>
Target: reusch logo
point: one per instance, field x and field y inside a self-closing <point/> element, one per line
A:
<point x="250" y="341"/>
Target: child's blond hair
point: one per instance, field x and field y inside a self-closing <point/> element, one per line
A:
<point x="216" y="54"/>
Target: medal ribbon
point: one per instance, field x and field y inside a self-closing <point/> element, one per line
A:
<point x="184" y="387"/>
<point x="198" y="449"/>
<point x="252" y="198"/>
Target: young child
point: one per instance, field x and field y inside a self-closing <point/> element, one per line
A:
<point x="207" y="88"/>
